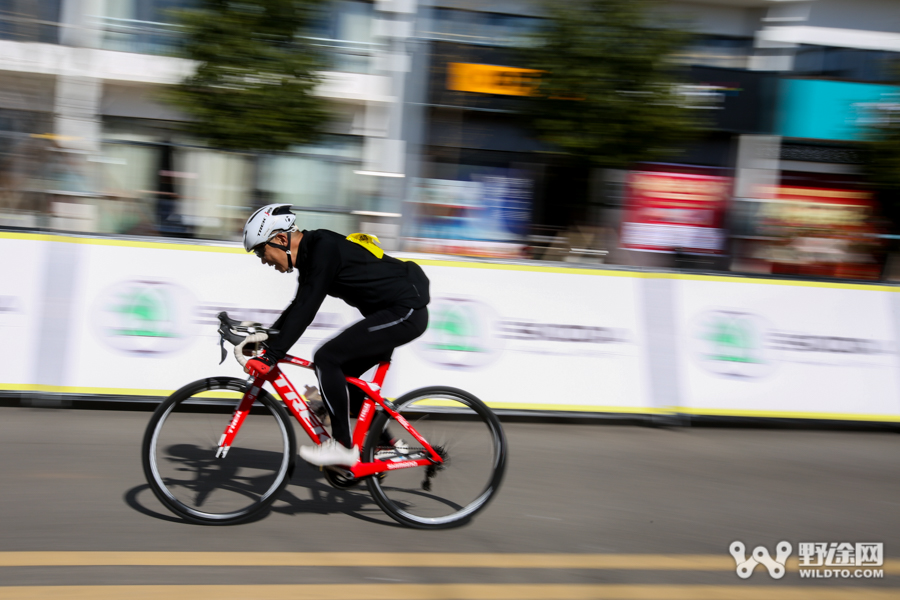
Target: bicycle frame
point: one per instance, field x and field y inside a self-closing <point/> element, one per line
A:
<point x="297" y="405"/>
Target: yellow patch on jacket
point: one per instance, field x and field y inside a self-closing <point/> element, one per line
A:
<point x="368" y="242"/>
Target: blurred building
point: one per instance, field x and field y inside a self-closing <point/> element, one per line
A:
<point x="429" y="146"/>
<point x="786" y="85"/>
<point x="87" y="144"/>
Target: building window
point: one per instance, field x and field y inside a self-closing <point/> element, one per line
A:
<point x="481" y="28"/>
<point x="145" y="26"/>
<point x="845" y="63"/>
<point x="30" y="21"/>
<point x="717" y="51"/>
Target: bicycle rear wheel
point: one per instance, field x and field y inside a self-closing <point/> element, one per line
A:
<point x="467" y="435"/>
<point x="180" y="445"/>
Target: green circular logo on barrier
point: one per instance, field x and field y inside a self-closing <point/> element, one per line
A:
<point x="732" y="343"/>
<point x="461" y="333"/>
<point x="145" y="317"/>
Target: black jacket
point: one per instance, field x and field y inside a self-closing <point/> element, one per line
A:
<point x="330" y="264"/>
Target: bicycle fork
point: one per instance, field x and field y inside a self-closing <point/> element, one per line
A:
<point x="237" y="419"/>
<point x="294" y="400"/>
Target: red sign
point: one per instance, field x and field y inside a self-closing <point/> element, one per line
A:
<point x="666" y="212"/>
<point x="825" y="210"/>
<point x="820" y="232"/>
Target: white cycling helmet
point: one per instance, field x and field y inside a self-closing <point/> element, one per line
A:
<point x="266" y="223"/>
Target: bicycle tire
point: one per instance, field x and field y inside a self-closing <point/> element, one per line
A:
<point x="469" y="437"/>
<point x="180" y="445"/>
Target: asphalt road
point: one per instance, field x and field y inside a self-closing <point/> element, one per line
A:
<point x="585" y="511"/>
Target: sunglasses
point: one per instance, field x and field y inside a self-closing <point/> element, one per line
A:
<point x="260" y="250"/>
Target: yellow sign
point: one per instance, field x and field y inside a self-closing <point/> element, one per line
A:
<point x="492" y="79"/>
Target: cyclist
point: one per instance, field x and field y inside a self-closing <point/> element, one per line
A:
<point x="391" y="295"/>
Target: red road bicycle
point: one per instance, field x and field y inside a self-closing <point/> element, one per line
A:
<point x="447" y="469"/>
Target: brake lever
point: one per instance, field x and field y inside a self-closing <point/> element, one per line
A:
<point x="222" y="346"/>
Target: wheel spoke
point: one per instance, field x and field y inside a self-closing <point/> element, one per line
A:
<point x="181" y="464"/>
<point x="469" y="438"/>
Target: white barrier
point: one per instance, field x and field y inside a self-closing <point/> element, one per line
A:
<point x="139" y="319"/>
<point x="531" y="338"/>
<point x="144" y="320"/>
<point x="787" y="350"/>
<point x="21" y="308"/>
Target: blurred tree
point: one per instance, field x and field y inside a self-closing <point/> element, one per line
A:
<point x="608" y="89"/>
<point x="253" y="86"/>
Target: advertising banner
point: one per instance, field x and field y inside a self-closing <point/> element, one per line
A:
<point x="475" y="75"/>
<point x="530" y="339"/>
<point x="811" y="229"/>
<point x="486" y="215"/>
<point x="147" y="315"/>
<point x="143" y="322"/>
<point x="139" y="319"/>
<point x="830" y="110"/>
<point x="776" y="349"/>
<point x="492" y="79"/>
<point x="669" y="211"/>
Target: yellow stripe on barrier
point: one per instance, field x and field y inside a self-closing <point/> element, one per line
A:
<point x="518" y="406"/>
<point x="468" y="264"/>
<point x="869" y="287"/>
<point x="437" y="402"/>
<point x="81" y="391"/>
<point x="446" y="591"/>
<point x="530" y="268"/>
<point x="91" y="391"/>
<point x="93" y="241"/>
<point x="220" y="394"/>
<point x="776" y="414"/>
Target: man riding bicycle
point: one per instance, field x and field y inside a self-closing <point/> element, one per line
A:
<point x="391" y="295"/>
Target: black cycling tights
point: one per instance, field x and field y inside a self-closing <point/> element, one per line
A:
<point x="356" y="350"/>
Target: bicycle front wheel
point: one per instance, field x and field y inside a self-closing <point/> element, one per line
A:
<point x="181" y="442"/>
<point x="467" y="435"/>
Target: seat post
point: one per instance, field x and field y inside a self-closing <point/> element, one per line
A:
<point x="380" y="373"/>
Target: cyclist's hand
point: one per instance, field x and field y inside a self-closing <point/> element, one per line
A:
<point x="259" y="366"/>
<point x="252" y="349"/>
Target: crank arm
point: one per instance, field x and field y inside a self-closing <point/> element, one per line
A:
<point x="342" y="472"/>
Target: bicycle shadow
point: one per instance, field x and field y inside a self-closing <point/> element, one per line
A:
<point x="193" y="470"/>
<point x="131" y="499"/>
<point x="325" y="499"/>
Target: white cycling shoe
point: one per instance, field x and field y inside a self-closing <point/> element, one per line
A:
<point x="330" y="452"/>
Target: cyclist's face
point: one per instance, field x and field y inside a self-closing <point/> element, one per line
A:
<point x="273" y="256"/>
